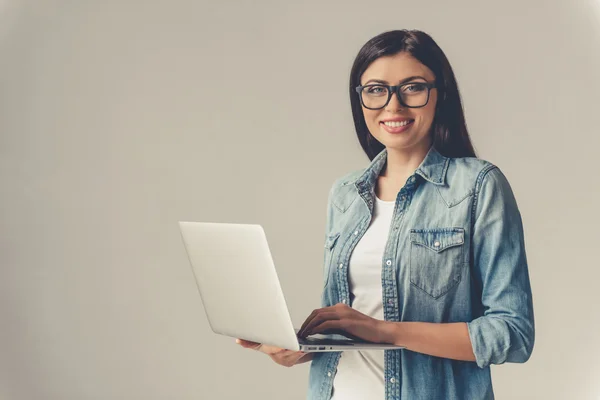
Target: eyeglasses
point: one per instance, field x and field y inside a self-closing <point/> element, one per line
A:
<point x="411" y="95"/>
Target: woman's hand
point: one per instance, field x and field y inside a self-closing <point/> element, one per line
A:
<point x="344" y="320"/>
<point x="287" y="358"/>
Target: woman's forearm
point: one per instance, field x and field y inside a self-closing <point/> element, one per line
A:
<point x="447" y="340"/>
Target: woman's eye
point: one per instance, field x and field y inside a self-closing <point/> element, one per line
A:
<point x="376" y="90"/>
<point x="414" y="88"/>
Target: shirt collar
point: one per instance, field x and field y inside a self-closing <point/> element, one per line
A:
<point x="433" y="169"/>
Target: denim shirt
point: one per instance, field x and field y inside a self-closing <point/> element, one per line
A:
<point x="455" y="253"/>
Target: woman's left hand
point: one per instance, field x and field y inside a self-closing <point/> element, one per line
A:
<point x="344" y="320"/>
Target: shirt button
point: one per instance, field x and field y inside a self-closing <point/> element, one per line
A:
<point x="341" y="265"/>
<point x="393" y="380"/>
<point x="390" y="301"/>
<point x="403" y="197"/>
<point x="356" y="232"/>
<point x="412" y="179"/>
<point x="437" y="244"/>
<point x="329" y="374"/>
<point x="388" y="262"/>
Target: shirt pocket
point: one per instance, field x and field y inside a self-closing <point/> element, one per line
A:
<point x="330" y="242"/>
<point x="436" y="259"/>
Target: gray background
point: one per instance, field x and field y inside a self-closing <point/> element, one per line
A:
<point x="119" y="118"/>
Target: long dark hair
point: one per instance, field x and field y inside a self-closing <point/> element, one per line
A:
<point x="449" y="131"/>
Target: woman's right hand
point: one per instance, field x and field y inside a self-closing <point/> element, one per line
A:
<point x="287" y="358"/>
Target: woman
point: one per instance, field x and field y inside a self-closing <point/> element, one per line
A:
<point x="424" y="248"/>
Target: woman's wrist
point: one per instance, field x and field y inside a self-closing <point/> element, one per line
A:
<point x="389" y="333"/>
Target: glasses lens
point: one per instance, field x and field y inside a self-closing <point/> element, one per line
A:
<point x="374" y="96"/>
<point x="413" y="95"/>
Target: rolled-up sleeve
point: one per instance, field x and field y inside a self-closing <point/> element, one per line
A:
<point x="506" y="331"/>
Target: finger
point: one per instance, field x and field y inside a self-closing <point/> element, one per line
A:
<point x="238" y="340"/>
<point x="286" y="353"/>
<point x="318" y="319"/>
<point x="270" y="350"/>
<point x="248" y="344"/>
<point x="344" y="327"/>
<point x="245" y="343"/>
<point x="312" y="316"/>
<point x="307" y="320"/>
<point x="339" y="326"/>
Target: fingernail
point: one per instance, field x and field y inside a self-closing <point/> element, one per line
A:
<point x="237" y="341"/>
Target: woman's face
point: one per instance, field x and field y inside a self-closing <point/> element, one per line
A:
<point x="395" y="70"/>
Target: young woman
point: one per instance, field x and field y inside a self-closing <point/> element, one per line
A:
<point x="424" y="247"/>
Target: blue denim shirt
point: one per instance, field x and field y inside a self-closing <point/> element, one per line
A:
<point x="455" y="253"/>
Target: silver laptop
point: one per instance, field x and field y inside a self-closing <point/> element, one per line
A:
<point x="240" y="290"/>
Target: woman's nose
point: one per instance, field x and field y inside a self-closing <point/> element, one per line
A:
<point x="394" y="104"/>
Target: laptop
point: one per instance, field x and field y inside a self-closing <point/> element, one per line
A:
<point x="241" y="292"/>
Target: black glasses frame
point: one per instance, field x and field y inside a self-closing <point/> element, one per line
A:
<point x="392" y="90"/>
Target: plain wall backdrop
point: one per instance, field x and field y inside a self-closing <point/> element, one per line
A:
<point x="120" y="118"/>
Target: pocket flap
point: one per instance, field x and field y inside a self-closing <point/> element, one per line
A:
<point x="330" y="240"/>
<point x="438" y="239"/>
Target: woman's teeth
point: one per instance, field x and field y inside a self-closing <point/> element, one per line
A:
<point x="396" y="124"/>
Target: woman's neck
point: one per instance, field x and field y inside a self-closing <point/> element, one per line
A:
<point x="401" y="164"/>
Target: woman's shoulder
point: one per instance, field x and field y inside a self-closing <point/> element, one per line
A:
<point x="345" y="182"/>
<point x="348" y="178"/>
<point x="473" y="165"/>
<point x="470" y="170"/>
<point x="480" y="177"/>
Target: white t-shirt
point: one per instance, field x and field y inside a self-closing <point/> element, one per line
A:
<point x="360" y="372"/>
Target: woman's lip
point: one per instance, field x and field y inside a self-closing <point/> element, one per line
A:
<point x="397" y="129"/>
